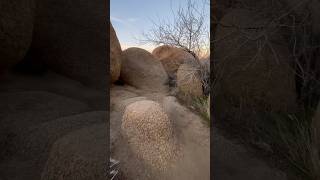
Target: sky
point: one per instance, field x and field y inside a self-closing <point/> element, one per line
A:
<point x="130" y="18"/>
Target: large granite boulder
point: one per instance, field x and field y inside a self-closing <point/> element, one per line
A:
<point x="140" y="69"/>
<point x="70" y="37"/>
<point x="80" y="155"/>
<point x="171" y="58"/>
<point x="149" y="133"/>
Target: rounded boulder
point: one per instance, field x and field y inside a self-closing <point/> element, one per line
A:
<point x="80" y="155"/>
<point x="149" y="133"/>
<point x="141" y="70"/>
<point x="171" y="58"/>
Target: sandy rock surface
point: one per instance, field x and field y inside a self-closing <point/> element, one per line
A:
<point x="80" y="155"/>
<point x="150" y="133"/>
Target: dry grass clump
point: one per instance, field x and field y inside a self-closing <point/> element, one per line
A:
<point x="293" y="137"/>
<point x="188" y="81"/>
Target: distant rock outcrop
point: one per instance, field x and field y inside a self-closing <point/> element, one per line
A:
<point x="171" y="58"/>
<point x="189" y="81"/>
<point x="149" y="132"/>
<point x="115" y="55"/>
<point x="252" y="66"/>
<point x="16" y="26"/>
<point x="140" y="69"/>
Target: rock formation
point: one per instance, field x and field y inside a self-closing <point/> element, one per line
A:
<point x="115" y="55"/>
<point x="16" y="26"/>
<point x="79" y="155"/>
<point x="71" y="39"/>
<point x="252" y="65"/>
<point x="141" y="70"/>
<point x="149" y="132"/>
<point x="171" y="58"/>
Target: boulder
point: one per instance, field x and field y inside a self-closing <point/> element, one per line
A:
<point x="115" y="55"/>
<point x="18" y="112"/>
<point x="253" y="72"/>
<point x="188" y="81"/>
<point x="80" y="155"/>
<point x="171" y="58"/>
<point x="70" y="37"/>
<point x="149" y="133"/>
<point x="16" y="26"/>
<point x="35" y="141"/>
<point x="141" y="70"/>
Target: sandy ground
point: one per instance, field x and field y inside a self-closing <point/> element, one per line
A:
<point x="40" y="111"/>
<point x="230" y="160"/>
<point x="192" y="134"/>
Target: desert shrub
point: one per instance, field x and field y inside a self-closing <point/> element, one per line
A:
<point x="198" y="104"/>
<point x="202" y="106"/>
<point x="292" y="138"/>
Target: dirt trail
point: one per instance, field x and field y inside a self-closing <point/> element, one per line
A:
<point x="231" y="161"/>
<point x="191" y="133"/>
<point x="36" y="112"/>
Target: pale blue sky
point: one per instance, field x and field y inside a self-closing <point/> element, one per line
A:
<point x="131" y="17"/>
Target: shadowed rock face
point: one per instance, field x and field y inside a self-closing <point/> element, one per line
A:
<point x="79" y="155"/>
<point x="256" y="78"/>
<point x="16" y="25"/>
<point x="115" y="55"/>
<point x="70" y="37"/>
<point x="232" y="161"/>
<point x="37" y="109"/>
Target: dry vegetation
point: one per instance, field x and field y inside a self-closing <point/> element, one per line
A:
<point x="188" y="31"/>
<point x="290" y="135"/>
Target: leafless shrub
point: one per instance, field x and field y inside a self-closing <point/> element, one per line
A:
<point x="188" y="31"/>
<point x="303" y="43"/>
